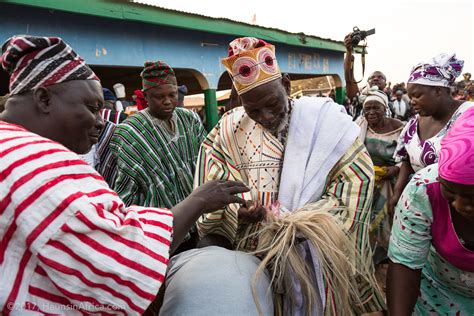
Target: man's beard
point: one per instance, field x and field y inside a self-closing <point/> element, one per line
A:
<point x="284" y="121"/>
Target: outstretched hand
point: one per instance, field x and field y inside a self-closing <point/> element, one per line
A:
<point x="215" y="195"/>
<point x="209" y="197"/>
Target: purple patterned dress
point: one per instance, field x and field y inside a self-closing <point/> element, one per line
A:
<point x="422" y="153"/>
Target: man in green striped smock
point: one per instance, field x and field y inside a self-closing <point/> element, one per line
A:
<point x="157" y="148"/>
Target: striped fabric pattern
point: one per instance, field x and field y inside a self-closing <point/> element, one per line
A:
<point x="35" y="61"/>
<point x="101" y="157"/>
<point x="68" y="245"/>
<point x="155" y="167"/>
<point x="238" y="149"/>
<point x="113" y="116"/>
<point x="350" y="187"/>
<point x="107" y="164"/>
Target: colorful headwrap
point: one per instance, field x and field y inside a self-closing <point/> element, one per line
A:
<point x="157" y="73"/>
<point x="456" y="158"/>
<point x="35" y="61"/>
<point x="251" y="63"/>
<point x="441" y="71"/>
<point x="376" y="95"/>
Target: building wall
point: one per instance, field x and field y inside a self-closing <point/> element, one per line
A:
<point x="124" y="43"/>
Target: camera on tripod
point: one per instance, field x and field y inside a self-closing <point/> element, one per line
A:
<point x="358" y="35"/>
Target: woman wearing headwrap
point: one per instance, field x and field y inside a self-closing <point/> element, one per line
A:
<point x="436" y="110"/>
<point x="380" y="134"/>
<point x="432" y="243"/>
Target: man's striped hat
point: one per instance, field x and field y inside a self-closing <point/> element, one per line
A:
<point x="35" y="61"/>
<point x="157" y="73"/>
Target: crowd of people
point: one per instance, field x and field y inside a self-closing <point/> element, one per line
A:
<point x="286" y="207"/>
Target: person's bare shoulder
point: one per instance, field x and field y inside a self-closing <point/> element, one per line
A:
<point x="396" y="124"/>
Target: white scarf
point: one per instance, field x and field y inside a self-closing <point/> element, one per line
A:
<point x="399" y="107"/>
<point x="319" y="135"/>
<point x="364" y="126"/>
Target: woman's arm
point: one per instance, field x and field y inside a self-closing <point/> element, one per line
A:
<point x="403" y="288"/>
<point x="405" y="171"/>
<point x="392" y="172"/>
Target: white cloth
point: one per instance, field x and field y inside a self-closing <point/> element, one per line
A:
<point x="91" y="157"/>
<point x="307" y="251"/>
<point x="119" y="90"/>
<point x="118" y="105"/>
<point x="364" y="126"/>
<point x="377" y="95"/>
<point x="400" y="108"/>
<point x="319" y="135"/>
<point x="367" y="91"/>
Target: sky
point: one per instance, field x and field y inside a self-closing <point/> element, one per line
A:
<point x="407" y="31"/>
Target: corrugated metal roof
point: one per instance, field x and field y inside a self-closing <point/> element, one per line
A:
<point x="152" y="14"/>
<point x="150" y="4"/>
<point x="145" y="3"/>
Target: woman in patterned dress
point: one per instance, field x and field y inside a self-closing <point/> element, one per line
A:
<point x="380" y="134"/>
<point x="429" y="90"/>
<point x="432" y="244"/>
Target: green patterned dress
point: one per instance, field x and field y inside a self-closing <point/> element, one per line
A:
<point x="381" y="148"/>
<point x="445" y="289"/>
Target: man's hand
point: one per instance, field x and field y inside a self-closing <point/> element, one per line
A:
<point x="252" y="213"/>
<point x="214" y="195"/>
<point x="348" y="42"/>
<point x="209" y="197"/>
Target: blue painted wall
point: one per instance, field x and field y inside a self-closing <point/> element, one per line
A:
<point x="122" y="43"/>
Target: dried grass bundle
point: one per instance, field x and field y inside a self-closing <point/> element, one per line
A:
<point x="338" y="259"/>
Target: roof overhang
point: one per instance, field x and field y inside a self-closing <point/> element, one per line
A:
<point x="130" y="11"/>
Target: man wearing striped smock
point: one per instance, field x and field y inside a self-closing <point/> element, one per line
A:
<point x="68" y="243"/>
<point x="157" y="148"/>
<point x="290" y="154"/>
